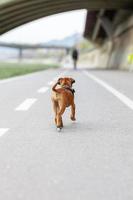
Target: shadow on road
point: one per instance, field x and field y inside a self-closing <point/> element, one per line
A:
<point x="77" y="127"/>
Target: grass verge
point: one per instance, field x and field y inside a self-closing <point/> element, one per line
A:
<point x="8" y="70"/>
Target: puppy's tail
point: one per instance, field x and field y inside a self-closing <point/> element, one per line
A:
<point x="54" y="88"/>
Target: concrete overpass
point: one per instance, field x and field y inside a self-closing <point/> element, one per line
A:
<point x="14" y="13"/>
<point x="21" y="47"/>
<point x="33" y="46"/>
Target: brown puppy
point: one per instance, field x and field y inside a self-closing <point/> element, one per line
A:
<point x="63" y="97"/>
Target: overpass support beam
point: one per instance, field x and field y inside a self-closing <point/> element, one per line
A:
<point x="98" y="24"/>
<point x="107" y="25"/>
<point x="67" y="51"/>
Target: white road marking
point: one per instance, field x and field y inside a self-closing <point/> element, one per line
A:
<point x="26" y="105"/>
<point x="3" y="131"/>
<point x="43" y="90"/>
<point x="50" y="83"/>
<point x="124" y="99"/>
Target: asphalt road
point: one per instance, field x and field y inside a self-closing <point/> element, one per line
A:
<point x="91" y="159"/>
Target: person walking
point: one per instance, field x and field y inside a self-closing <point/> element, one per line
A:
<point x="75" y="56"/>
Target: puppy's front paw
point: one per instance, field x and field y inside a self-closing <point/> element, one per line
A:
<point x="59" y="129"/>
<point x="73" y="118"/>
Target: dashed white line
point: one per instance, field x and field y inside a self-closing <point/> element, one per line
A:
<point x="26" y="105"/>
<point x="50" y="83"/>
<point x="43" y="90"/>
<point x="124" y="99"/>
<point x="3" y="131"/>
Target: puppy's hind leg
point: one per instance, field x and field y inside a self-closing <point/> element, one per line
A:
<point x="55" y="108"/>
<point x="73" y="112"/>
<point x="59" y="117"/>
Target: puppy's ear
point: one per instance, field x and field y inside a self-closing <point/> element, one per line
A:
<point x="59" y="80"/>
<point x="72" y="80"/>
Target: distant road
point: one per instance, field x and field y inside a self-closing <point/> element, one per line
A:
<point x="90" y="159"/>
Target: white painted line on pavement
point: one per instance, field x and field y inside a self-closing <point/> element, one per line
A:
<point x="26" y="105"/>
<point x="3" y="131"/>
<point x="43" y="90"/>
<point x="50" y="83"/>
<point x="124" y="99"/>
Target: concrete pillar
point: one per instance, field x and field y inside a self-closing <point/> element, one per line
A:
<point x="98" y="24"/>
<point x="20" y="54"/>
<point x="67" y="51"/>
<point x="107" y="25"/>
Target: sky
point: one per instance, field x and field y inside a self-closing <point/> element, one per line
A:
<point x="48" y="28"/>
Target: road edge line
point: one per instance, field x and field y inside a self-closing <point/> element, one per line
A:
<point x="123" y="98"/>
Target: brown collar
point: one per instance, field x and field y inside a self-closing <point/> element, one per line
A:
<point x="71" y="90"/>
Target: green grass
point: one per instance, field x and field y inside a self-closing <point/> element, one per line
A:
<point x="8" y="70"/>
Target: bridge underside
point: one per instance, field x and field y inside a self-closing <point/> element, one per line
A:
<point x="14" y="13"/>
